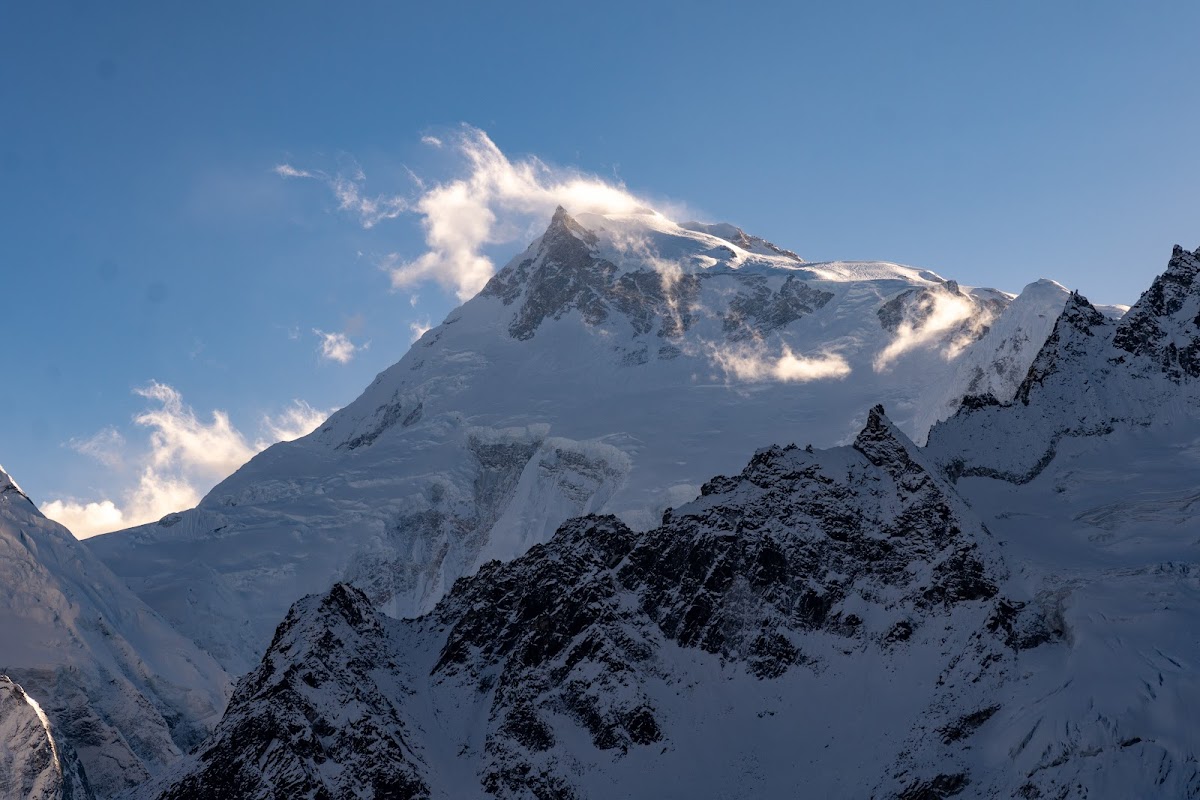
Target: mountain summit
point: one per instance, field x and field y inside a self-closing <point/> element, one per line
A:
<point x="611" y="367"/>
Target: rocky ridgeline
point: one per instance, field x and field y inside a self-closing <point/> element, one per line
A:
<point x="1092" y="375"/>
<point x="565" y="275"/>
<point x="540" y="672"/>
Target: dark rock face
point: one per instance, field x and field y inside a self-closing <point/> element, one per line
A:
<point x="937" y="788"/>
<point x="315" y="719"/>
<point x="756" y="310"/>
<point x="566" y="275"/>
<point x="36" y="762"/>
<point x="862" y="545"/>
<point x="1164" y="325"/>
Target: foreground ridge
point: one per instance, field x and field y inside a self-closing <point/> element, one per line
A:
<point x="571" y="670"/>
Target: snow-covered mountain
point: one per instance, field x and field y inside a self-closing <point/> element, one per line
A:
<point x="98" y="691"/>
<point x="808" y="623"/>
<point x="610" y="368"/>
<point x="842" y="623"/>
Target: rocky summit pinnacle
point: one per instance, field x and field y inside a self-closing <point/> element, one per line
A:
<point x="1164" y="325"/>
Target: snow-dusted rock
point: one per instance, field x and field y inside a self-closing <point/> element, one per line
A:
<point x="826" y="623"/>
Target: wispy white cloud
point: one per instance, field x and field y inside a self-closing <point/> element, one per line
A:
<point x="494" y="201"/>
<point x="337" y="346"/>
<point x="298" y="419"/>
<point x="288" y="171"/>
<point x="755" y="365"/>
<point x="419" y="328"/>
<point x="184" y="456"/>
<point x="106" y="446"/>
<point x="179" y="439"/>
<point x="85" y="519"/>
<point x="350" y="194"/>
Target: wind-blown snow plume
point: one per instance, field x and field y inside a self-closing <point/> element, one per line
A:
<point x="946" y="311"/>
<point x="186" y="456"/>
<point x="756" y="366"/>
<point x="495" y="201"/>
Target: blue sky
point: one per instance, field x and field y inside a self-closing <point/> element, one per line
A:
<point x="156" y="262"/>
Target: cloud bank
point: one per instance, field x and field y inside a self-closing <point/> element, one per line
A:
<point x="185" y="456"/>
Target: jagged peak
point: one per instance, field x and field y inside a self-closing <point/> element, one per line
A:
<point x="1080" y="314"/>
<point x="1076" y="323"/>
<point x="1164" y="324"/>
<point x="1180" y="253"/>
<point x="884" y="444"/>
<point x="878" y="429"/>
<point x="562" y="224"/>
<point x="349" y="603"/>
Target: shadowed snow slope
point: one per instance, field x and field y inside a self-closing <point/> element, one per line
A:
<point x="121" y="690"/>
<point x="610" y="368"/>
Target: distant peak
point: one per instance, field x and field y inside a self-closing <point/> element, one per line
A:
<point x="9" y="487"/>
<point x="1044" y="286"/>
<point x="735" y="235"/>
